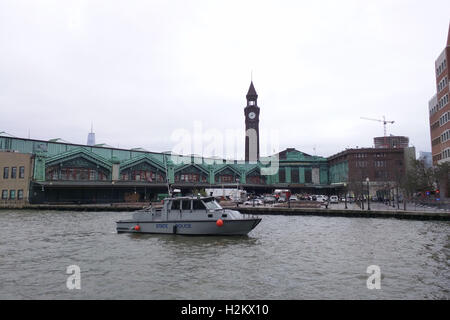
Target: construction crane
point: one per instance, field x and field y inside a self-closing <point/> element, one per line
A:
<point x="384" y="125"/>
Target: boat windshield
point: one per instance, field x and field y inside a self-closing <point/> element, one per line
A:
<point x="211" y="204"/>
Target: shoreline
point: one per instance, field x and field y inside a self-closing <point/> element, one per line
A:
<point x="347" y="213"/>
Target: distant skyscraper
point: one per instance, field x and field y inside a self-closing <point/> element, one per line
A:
<point x="439" y="108"/>
<point x="91" y="137"/>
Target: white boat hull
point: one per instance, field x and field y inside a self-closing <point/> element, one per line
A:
<point x="202" y="227"/>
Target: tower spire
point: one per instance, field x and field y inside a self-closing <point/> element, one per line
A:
<point x="251" y="91"/>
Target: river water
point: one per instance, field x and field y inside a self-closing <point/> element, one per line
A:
<point x="301" y="257"/>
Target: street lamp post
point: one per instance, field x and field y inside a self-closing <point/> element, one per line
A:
<point x="368" y="194"/>
<point x="237" y="192"/>
<point x="393" y="197"/>
<point x="345" y="195"/>
<point x="398" y="204"/>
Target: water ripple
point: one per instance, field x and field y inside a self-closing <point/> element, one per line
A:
<point x="283" y="258"/>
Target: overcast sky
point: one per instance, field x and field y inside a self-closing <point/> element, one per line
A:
<point x="141" y="70"/>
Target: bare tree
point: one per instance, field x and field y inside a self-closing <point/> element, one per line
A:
<point x="419" y="177"/>
<point x="356" y="185"/>
<point x="441" y="177"/>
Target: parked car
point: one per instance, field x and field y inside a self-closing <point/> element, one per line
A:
<point x="269" y="199"/>
<point x="293" y="198"/>
<point x="334" y="199"/>
<point x="281" y="199"/>
<point x="321" y="198"/>
<point x="257" y="202"/>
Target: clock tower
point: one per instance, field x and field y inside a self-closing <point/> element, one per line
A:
<point x="251" y="113"/>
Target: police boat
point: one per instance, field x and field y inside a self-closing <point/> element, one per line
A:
<point x="189" y="216"/>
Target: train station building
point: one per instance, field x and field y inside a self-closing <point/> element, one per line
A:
<point x="69" y="173"/>
<point x="56" y="171"/>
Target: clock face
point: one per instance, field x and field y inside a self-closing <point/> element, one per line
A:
<point x="252" y="115"/>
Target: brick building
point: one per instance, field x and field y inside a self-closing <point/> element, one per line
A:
<point x="439" y="109"/>
<point x="385" y="168"/>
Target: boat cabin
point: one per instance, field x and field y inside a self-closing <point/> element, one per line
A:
<point x="191" y="204"/>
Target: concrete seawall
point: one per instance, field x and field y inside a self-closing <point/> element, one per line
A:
<point x="347" y="213"/>
<point x="75" y="207"/>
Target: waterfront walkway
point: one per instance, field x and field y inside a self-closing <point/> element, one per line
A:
<point x="378" y="210"/>
<point x="378" y="206"/>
